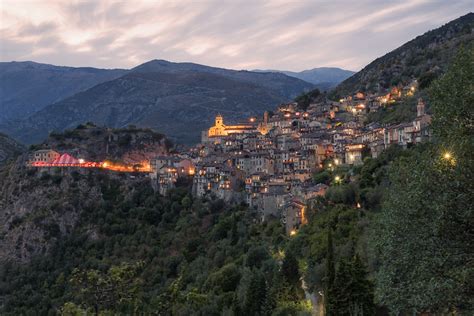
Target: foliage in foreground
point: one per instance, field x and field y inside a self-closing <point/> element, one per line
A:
<point x="423" y="237"/>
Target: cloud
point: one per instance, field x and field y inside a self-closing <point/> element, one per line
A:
<point x="232" y="34"/>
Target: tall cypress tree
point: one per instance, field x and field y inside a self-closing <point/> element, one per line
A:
<point x="256" y="294"/>
<point x="290" y="269"/>
<point x="330" y="274"/>
<point x="362" y="292"/>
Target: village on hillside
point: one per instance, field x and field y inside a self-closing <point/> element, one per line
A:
<point x="268" y="163"/>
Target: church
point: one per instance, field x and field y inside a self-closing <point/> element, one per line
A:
<point x="220" y="130"/>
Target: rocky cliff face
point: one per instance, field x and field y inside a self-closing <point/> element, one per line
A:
<point x="91" y="142"/>
<point x="36" y="209"/>
<point x="38" y="206"/>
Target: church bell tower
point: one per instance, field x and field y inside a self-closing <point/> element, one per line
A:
<point x="420" y="107"/>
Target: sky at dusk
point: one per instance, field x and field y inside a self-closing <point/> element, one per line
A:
<point x="250" y="34"/>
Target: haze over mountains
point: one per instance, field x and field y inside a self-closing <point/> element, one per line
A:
<point x="323" y="77"/>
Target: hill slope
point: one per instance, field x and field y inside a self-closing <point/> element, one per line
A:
<point x="180" y="103"/>
<point x="26" y="87"/>
<point x="423" y="58"/>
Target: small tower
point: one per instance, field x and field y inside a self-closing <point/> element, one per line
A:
<point x="420" y="107"/>
<point x="263" y="126"/>
<point x="219" y="120"/>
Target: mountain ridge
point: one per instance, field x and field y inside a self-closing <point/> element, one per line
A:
<point x="205" y="90"/>
<point x="323" y="77"/>
<point x="27" y="86"/>
<point x="163" y="101"/>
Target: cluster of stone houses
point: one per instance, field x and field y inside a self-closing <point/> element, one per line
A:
<point x="268" y="163"/>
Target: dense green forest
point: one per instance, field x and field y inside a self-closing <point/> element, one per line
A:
<point x="391" y="236"/>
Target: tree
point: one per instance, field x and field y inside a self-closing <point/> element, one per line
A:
<point x="256" y="294"/>
<point x="330" y="274"/>
<point x="116" y="290"/>
<point x="256" y="256"/>
<point x="352" y="292"/>
<point x="363" y="289"/>
<point x="423" y="236"/>
<point x="290" y="269"/>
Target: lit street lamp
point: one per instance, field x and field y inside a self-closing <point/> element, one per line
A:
<point x="448" y="157"/>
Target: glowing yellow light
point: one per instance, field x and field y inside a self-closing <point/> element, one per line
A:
<point x="447" y="155"/>
<point x="358" y="205"/>
<point x="293" y="232"/>
<point x="412" y="88"/>
<point x="105" y="164"/>
<point x="336" y="161"/>
<point x="81" y="161"/>
<point x="337" y="178"/>
<point x="330" y="165"/>
<point x="252" y="119"/>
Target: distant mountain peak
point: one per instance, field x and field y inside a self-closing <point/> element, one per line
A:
<point x="323" y="77"/>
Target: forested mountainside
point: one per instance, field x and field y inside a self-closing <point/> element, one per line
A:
<point x="180" y="99"/>
<point x="423" y="58"/>
<point x="9" y="148"/>
<point x="394" y="234"/>
<point x="27" y="87"/>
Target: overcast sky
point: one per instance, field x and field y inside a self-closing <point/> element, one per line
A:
<point x="250" y="34"/>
